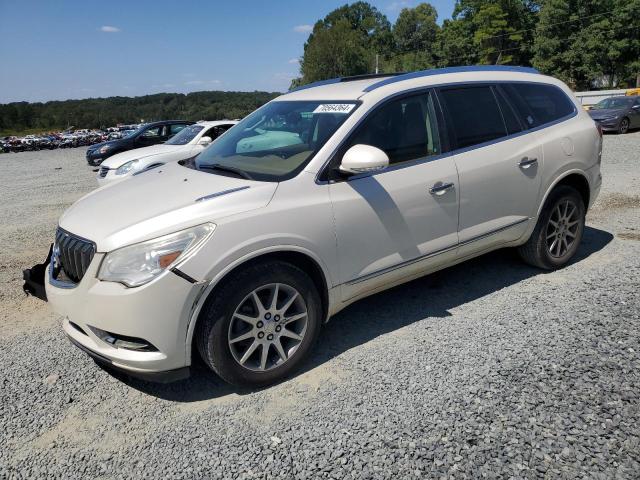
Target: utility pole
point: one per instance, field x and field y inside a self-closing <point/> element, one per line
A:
<point x="377" y="70"/>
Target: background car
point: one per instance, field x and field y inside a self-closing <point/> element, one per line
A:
<point x="617" y="114"/>
<point x="190" y="141"/>
<point x="147" y="135"/>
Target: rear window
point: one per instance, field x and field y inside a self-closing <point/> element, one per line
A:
<point x="474" y="114"/>
<point x="539" y="104"/>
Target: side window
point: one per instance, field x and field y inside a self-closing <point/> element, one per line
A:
<point x="215" y="132"/>
<point x="175" y="128"/>
<point x="538" y="103"/>
<point x="508" y="114"/>
<point x="405" y="129"/>
<point x="474" y="114"/>
<point x="153" y="132"/>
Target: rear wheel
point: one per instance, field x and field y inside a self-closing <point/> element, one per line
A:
<point x="624" y="126"/>
<point x="558" y="232"/>
<point x="260" y="325"/>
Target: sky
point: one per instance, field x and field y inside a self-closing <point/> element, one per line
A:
<point x="56" y="50"/>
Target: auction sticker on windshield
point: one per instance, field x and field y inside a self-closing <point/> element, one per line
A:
<point x="334" y="108"/>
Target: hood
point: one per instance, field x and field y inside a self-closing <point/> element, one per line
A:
<point x="606" y="112"/>
<point x="158" y="202"/>
<point x="95" y="146"/>
<point x="121" y="158"/>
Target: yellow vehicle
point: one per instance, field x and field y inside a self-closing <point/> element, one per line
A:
<point x="633" y="91"/>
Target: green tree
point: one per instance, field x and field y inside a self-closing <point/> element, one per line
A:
<point x="345" y="43"/>
<point x="489" y="31"/>
<point x="414" y="39"/>
<point x="589" y="43"/>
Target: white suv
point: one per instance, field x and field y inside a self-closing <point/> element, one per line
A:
<point x="321" y="197"/>
<point x="188" y="142"/>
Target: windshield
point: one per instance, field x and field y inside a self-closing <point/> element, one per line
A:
<point x="613" y="103"/>
<point x="276" y="141"/>
<point x="185" y="135"/>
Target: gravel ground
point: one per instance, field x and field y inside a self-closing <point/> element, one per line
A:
<point x="488" y="369"/>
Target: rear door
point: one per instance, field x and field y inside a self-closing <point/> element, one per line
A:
<point x="498" y="165"/>
<point x="402" y="221"/>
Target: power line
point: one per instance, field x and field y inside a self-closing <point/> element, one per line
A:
<point x="551" y="25"/>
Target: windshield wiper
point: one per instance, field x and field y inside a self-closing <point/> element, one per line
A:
<point x="225" y="168"/>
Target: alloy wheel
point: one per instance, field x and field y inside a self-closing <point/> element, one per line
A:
<point x="267" y="327"/>
<point x="624" y="126"/>
<point x="562" y="228"/>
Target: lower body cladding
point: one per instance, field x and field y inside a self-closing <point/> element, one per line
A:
<point x="142" y="330"/>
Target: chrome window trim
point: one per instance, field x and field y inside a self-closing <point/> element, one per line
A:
<point x="410" y="163"/>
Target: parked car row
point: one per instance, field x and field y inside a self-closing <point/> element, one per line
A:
<point x="66" y="139"/>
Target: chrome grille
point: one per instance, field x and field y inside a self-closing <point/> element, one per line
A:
<point x="104" y="171"/>
<point x="72" y="256"/>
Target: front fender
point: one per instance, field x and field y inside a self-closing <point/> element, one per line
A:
<point x="207" y="286"/>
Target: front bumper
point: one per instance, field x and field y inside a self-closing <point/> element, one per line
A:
<point x="110" y="178"/>
<point x="95" y="158"/>
<point x="158" y="312"/>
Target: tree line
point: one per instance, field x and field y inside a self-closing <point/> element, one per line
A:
<point x="586" y="43"/>
<point x="105" y="112"/>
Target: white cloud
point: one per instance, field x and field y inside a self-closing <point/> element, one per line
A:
<point x="109" y="29"/>
<point x="294" y="61"/>
<point x="303" y="28"/>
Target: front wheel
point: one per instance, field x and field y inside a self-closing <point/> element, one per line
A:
<point x="559" y="230"/>
<point x="260" y="325"/>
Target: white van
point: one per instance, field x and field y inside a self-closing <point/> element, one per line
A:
<point x="327" y="194"/>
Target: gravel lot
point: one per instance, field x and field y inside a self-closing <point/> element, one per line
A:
<point x="488" y="369"/>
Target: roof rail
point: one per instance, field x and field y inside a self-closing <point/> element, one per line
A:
<point x="442" y="71"/>
<point x="352" y="78"/>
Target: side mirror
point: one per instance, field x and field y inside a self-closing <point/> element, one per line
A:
<point x="205" y="141"/>
<point x="363" y="158"/>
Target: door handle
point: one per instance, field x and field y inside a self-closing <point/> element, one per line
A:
<point x="526" y="162"/>
<point x="440" y="188"/>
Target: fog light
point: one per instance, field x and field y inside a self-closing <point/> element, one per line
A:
<point x="123" y="341"/>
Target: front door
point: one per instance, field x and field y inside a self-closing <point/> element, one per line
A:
<point x="399" y="223"/>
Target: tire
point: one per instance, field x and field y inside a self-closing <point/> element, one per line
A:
<point x="232" y="312"/>
<point x="623" y="127"/>
<point x="540" y="250"/>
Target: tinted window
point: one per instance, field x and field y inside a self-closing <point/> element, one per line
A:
<point x="508" y="114"/>
<point x="474" y="115"/>
<point x="153" y="132"/>
<point x="405" y="129"/>
<point x="539" y="104"/>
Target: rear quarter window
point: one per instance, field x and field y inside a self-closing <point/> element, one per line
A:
<point x="539" y="104"/>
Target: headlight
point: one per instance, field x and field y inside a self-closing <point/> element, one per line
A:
<point x="104" y="148"/>
<point x="138" y="264"/>
<point x="126" y="167"/>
